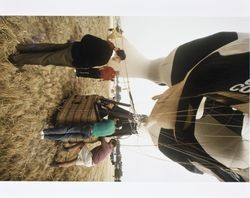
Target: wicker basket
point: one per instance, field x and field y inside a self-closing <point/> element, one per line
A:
<point x="78" y="109"/>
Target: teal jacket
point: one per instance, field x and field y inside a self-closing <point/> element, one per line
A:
<point x="103" y="128"/>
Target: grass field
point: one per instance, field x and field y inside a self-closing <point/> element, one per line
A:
<point x="28" y="99"/>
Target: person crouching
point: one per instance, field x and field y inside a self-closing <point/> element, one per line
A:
<point x="88" y="157"/>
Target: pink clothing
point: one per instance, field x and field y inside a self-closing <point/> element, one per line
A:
<point x="99" y="153"/>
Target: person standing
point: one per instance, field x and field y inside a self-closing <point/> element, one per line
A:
<point x="89" y="52"/>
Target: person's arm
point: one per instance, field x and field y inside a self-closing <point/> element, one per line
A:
<point x="77" y="147"/>
<point x="102" y="140"/>
<point x="66" y="164"/>
<point x="104" y="143"/>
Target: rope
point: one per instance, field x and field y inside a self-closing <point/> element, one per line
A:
<point x="126" y="79"/>
<point x="208" y="164"/>
<point x="205" y="160"/>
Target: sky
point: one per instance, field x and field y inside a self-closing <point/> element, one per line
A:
<point x="155" y="37"/>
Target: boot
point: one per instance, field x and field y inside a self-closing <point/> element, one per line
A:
<point x="11" y="58"/>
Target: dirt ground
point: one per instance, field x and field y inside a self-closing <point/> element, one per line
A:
<point x="28" y="99"/>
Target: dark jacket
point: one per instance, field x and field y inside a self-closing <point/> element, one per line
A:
<point x="91" y="51"/>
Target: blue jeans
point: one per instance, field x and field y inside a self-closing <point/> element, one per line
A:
<point x="67" y="133"/>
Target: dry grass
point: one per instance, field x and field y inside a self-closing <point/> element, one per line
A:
<point x="28" y="99"/>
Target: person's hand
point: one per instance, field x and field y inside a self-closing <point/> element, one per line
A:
<point x="110" y="105"/>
